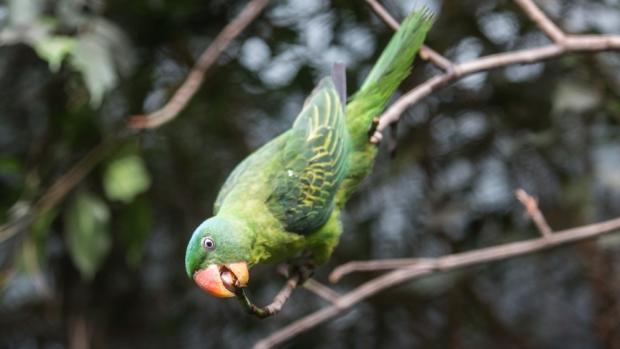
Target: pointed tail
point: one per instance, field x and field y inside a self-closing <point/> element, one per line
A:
<point x="393" y="66"/>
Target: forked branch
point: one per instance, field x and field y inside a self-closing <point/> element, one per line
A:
<point x="408" y="270"/>
<point x="561" y="44"/>
<point x="194" y="79"/>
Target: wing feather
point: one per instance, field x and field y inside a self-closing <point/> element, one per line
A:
<point x="313" y="163"/>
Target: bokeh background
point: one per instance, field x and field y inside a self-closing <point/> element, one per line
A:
<point x="104" y="267"/>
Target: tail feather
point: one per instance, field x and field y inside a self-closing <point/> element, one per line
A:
<point x="393" y="66"/>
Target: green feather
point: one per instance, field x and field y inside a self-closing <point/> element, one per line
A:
<point x="313" y="163"/>
<point x="393" y="66"/>
<point x="285" y="198"/>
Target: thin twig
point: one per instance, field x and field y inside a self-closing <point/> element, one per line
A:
<point x="432" y="265"/>
<point x="426" y="52"/>
<point x="196" y="76"/>
<point x="571" y="44"/>
<point x="374" y="265"/>
<point x="322" y="291"/>
<point x="562" y="44"/>
<point x="531" y="208"/>
<point x="542" y="21"/>
<point x="59" y="189"/>
<point x="275" y="306"/>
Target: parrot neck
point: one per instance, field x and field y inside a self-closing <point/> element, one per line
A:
<point x="269" y="241"/>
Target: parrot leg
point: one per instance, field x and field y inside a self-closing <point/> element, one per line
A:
<point x="301" y="268"/>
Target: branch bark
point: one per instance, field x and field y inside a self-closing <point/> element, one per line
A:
<point x="562" y="44"/>
<point x="531" y="208"/>
<point x="58" y="190"/>
<point x="542" y="21"/>
<point x="196" y="76"/>
<point x="420" y="267"/>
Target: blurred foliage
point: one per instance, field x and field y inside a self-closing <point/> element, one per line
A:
<point x="87" y="232"/>
<point x="107" y="263"/>
<point x="58" y="30"/>
<point x="125" y="177"/>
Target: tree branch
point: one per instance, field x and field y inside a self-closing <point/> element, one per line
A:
<point x="58" y="190"/>
<point x="542" y="21"/>
<point x="322" y="291"/>
<point x="196" y="76"/>
<point x="560" y="46"/>
<point x="420" y="267"/>
<point x="531" y="208"/>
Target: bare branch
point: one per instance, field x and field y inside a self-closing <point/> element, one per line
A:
<point x="383" y="14"/>
<point x="426" y="53"/>
<point x="196" y="76"/>
<point x="374" y="265"/>
<point x="544" y="23"/>
<point x="322" y="291"/>
<point x="562" y="44"/>
<point x="575" y="43"/>
<point x="58" y="190"/>
<point x="529" y="202"/>
<point x="531" y="207"/>
<point x="432" y="265"/>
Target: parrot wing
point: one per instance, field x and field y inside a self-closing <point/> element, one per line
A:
<point x="313" y="161"/>
<point x="246" y="177"/>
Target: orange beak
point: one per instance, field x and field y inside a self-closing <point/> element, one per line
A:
<point x="221" y="280"/>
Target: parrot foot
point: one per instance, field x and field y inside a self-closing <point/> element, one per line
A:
<point x="374" y="135"/>
<point x="301" y="270"/>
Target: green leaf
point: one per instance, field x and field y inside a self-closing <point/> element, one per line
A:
<point x="54" y="49"/>
<point x="86" y="231"/>
<point x="125" y="178"/>
<point x="100" y="55"/>
<point x="92" y="58"/>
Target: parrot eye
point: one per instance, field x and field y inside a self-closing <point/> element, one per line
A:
<point x="208" y="243"/>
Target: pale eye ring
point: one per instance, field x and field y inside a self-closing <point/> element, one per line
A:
<point x="208" y="243"/>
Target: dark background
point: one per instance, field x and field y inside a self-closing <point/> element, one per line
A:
<point x="105" y="266"/>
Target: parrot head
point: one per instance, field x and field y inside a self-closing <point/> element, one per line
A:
<point x="216" y="256"/>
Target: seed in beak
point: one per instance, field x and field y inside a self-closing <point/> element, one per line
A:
<point x="228" y="279"/>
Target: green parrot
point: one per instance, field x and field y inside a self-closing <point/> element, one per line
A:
<point x="284" y="200"/>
